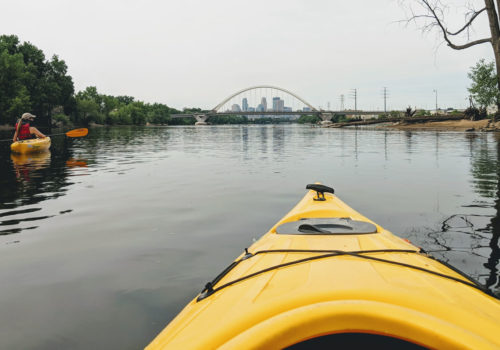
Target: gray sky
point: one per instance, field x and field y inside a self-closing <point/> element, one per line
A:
<point x="196" y="53"/>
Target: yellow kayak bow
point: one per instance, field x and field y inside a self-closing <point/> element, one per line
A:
<point x="325" y="275"/>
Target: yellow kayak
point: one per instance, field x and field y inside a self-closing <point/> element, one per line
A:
<point x="327" y="277"/>
<point x="31" y="145"/>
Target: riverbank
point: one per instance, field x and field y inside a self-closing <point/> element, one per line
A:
<point x="448" y="125"/>
<point x="6" y="127"/>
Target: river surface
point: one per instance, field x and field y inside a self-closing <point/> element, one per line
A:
<point x="106" y="238"/>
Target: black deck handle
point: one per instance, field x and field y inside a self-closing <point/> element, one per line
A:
<point x="320" y="190"/>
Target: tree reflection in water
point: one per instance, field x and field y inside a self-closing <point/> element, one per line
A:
<point x="464" y="238"/>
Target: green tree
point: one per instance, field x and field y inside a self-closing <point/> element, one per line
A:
<point x="14" y="96"/>
<point x="484" y="89"/>
<point x="137" y="112"/>
<point x="125" y="99"/>
<point x="88" y="111"/>
<point x="28" y="82"/>
<point x="158" y="113"/>
<point x="34" y="79"/>
<point x="90" y="93"/>
<point x="60" y="88"/>
<point x="308" y="119"/>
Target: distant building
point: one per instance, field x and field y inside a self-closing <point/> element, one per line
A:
<point x="263" y="102"/>
<point x="244" y="104"/>
<point x="260" y="108"/>
<point x="235" y="108"/>
<point x="275" y="103"/>
<point x="278" y="104"/>
<point x="306" y="109"/>
<point x="251" y="109"/>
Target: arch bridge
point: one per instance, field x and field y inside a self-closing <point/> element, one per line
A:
<point x="254" y="102"/>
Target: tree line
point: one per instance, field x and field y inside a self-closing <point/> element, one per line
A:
<point x="29" y="82"/>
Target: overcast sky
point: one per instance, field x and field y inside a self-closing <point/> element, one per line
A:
<point x="194" y="53"/>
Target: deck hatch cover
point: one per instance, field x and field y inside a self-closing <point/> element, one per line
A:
<point x="326" y="226"/>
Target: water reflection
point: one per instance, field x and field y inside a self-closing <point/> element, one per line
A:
<point x="26" y="164"/>
<point x="73" y="163"/>
<point x="471" y="238"/>
<point x="32" y="178"/>
<point x="486" y="168"/>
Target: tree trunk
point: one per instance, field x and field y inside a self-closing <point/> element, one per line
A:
<point x="496" y="51"/>
<point x="495" y="42"/>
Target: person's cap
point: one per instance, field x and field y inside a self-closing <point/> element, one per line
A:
<point x="28" y="116"/>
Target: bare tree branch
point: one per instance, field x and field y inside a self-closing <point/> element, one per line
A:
<point x="436" y="14"/>
<point x="468" y="24"/>
<point x="472" y="43"/>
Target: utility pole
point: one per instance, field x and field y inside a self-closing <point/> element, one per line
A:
<point x="342" y="102"/>
<point x="384" y="93"/>
<point x="436" y="92"/>
<point x="354" y="94"/>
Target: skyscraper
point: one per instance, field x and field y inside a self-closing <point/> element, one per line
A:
<point x="281" y="105"/>
<point x="275" y="103"/>
<point x="278" y="104"/>
<point x="263" y="102"/>
<point x="244" y="104"/>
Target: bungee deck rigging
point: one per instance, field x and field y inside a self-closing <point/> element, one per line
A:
<point x="211" y="289"/>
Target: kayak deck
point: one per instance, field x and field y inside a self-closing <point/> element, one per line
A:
<point x="288" y="288"/>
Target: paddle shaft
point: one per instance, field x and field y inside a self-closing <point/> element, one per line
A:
<point x="71" y="133"/>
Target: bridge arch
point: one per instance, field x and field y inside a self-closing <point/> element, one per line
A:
<point x="216" y="108"/>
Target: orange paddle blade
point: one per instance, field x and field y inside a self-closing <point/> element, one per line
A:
<point x="78" y="132"/>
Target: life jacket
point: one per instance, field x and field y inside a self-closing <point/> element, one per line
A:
<point x="24" y="131"/>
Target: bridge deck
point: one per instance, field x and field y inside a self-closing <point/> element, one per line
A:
<point x="211" y="114"/>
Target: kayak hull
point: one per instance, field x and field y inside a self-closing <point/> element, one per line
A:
<point x="287" y="289"/>
<point x="31" y="146"/>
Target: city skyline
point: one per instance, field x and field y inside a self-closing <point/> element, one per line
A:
<point x="277" y="106"/>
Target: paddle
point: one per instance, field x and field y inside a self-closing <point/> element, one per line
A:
<point x="72" y="133"/>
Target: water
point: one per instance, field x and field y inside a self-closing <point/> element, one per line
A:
<point x="105" y="239"/>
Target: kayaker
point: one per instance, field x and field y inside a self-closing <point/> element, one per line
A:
<point x="23" y="129"/>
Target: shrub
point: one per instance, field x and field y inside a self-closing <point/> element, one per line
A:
<point x="61" y="119"/>
<point x="472" y="113"/>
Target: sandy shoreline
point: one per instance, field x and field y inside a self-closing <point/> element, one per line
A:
<point x="449" y="125"/>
